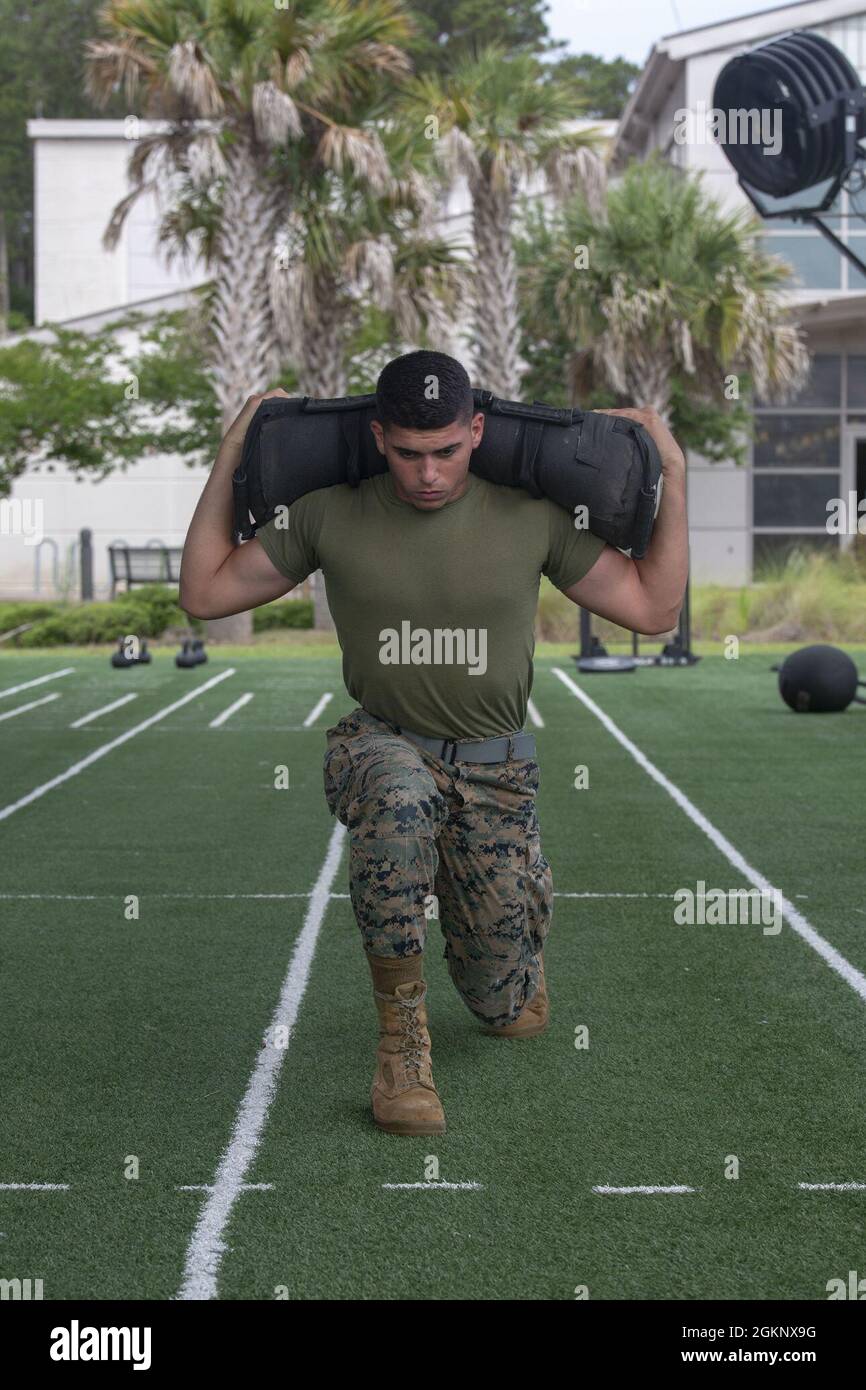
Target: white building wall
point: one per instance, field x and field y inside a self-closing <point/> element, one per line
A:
<point x="154" y="500"/>
<point x="80" y="174"/>
<point x="79" y="177"/>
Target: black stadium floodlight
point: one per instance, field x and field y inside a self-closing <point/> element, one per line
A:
<point x="802" y="81"/>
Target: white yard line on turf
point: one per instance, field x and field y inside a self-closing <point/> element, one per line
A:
<point x="268" y="897"/>
<point x="208" y="1187"/>
<point x="207" y="1245"/>
<point x="40" y="680"/>
<point x="832" y="1186"/>
<point x="675" y="1190"/>
<point x="22" y="709"/>
<point x="110" y="897"/>
<point x="534" y="715"/>
<point x="34" y="1186"/>
<point x="795" y="919"/>
<point x="433" y="1186"/>
<point x="114" y="743"/>
<point x="227" y="713"/>
<point x="317" y="710"/>
<point x="106" y="709"/>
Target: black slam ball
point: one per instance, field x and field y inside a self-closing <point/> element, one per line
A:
<point x="818" y="680"/>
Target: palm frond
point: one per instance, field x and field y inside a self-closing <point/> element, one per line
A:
<point x="193" y="78"/>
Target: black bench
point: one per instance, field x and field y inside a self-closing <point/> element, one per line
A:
<point x="143" y="564"/>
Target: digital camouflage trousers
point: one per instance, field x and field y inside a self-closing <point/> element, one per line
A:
<point x="459" y="842"/>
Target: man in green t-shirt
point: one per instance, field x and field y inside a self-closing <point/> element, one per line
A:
<point x="432" y="576"/>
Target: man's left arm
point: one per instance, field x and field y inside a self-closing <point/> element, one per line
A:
<point x="645" y="595"/>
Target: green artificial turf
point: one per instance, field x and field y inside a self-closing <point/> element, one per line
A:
<point x="134" y="1039"/>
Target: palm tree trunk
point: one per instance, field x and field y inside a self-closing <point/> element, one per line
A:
<point x="246" y="355"/>
<point x="322" y="373"/>
<point x="497" y="326"/>
<point x="245" y="349"/>
<point x="4" y="277"/>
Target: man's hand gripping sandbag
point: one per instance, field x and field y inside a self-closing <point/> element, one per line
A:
<point x="607" y="464"/>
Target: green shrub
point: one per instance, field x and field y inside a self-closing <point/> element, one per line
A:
<point x="290" y="612"/>
<point x="162" y="605"/>
<point x="13" y="614"/>
<point x="144" y="612"/>
<point x="812" y="597"/>
<point x="91" y="622"/>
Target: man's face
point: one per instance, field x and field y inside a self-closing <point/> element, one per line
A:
<point x="429" y="467"/>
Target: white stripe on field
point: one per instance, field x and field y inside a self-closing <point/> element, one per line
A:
<point x="268" y="897"/>
<point x="227" y="713"/>
<point x="676" y="1190"/>
<point x="207" y="1246"/>
<point x="34" y="1186"/>
<point x="22" y="709"/>
<point x="208" y="1187"/>
<point x="108" y="747"/>
<point x="804" y="929"/>
<point x="430" y="1186"/>
<point x="315" y="712"/>
<point x="262" y="897"/>
<point x="109" y="897"/>
<point x="614" y="895"/>
<point x="832" y="1186"/>
<point x="534" y="715"/>
<point x="40" y="680"/>
<point x="106" y="709"/>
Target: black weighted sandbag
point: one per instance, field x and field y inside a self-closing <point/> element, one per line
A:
<point x="607" y="463"/>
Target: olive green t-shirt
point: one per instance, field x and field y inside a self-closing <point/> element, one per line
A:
<point x="434" y="610"/>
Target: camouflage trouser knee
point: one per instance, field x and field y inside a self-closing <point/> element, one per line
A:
<point x="461" y="841"/>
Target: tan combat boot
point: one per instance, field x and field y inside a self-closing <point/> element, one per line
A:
<point x="403" y="1093"/>
<point x="533" y="1017"/>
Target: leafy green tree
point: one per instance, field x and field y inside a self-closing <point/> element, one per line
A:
<point x="602" y="87"/>
<point x="448" y="31"/>
<point x="78" y="400"/>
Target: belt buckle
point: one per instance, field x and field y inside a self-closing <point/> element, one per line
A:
<point x="512" y="740"/>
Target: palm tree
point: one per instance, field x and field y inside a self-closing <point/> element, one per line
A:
<point x="231" y="83"/>
<point x="346" y="244"/>
<point x="499" y="120"/>
<point x="673" y="287"/>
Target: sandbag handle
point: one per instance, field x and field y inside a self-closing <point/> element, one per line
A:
<point x="312" y="405"/>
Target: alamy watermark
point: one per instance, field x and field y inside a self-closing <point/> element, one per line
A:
<point x="702" y="906"/>
<point x="439" y="646"/>
<point x="22" y="516"/>
<point x="707" y="125"/>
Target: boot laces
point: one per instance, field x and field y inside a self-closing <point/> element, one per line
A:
<point x="412" y="1037"/>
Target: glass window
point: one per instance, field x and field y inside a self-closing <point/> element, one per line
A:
<point x="856" y="278"/>
<point x="815" y="197"/>
<point x="856" y="383"/>
<point x="791" y="499"/>
<point x="824" y="386"/>
<point x="816" y="263"/>
<point x="771" y="552"/>
<point x="796" y="441"/>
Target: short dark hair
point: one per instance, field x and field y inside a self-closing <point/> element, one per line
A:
<point x="424" y="391"/>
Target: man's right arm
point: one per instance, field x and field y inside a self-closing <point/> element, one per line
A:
<point x="219" y="577"/>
